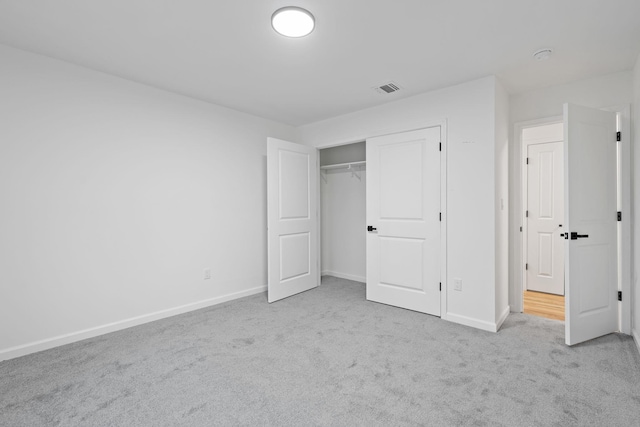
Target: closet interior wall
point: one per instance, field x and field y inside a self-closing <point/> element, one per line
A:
<point x="343" y="214"/>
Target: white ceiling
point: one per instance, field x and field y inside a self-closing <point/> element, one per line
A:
<point x="225" y="51"/>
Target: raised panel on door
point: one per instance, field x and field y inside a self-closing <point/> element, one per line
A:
<point x="403" y="204"/>
<point x="292" y="172"/>
<point x="545" y="206"/>
<point x="294" y="182"/>
<point x="400" y="168"/>
<point x="295" y="256"/>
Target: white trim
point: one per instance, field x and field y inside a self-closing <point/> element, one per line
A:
<point x="626" y="266"/>
<point x="318" y="219"/>
<point x="636" y="338"/>
<point x="474" y="323"/>
<point x="422" y="124"/>
<point x="443" y="224"/>
<point x="49" y="343"/>
<point x="346" y="276"/>
<point x="503" y="317"/>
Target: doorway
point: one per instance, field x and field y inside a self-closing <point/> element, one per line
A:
<point x="543" y="208"/>
<point x="597" y="182"/>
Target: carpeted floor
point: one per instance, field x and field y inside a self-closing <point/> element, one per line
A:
<point x="325" y="357"/>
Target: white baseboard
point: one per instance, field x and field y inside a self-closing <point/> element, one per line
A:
<point x="344" y="276"/>
<point x="503" y="317"/>
<point x="636" y="338"/>
<point x="474" y="323"/>
<point x="22" y="350"/>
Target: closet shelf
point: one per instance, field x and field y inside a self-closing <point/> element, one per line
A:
<point x="343" y="165"/>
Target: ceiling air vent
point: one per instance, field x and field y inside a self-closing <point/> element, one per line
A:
<point x="387" y="88"/>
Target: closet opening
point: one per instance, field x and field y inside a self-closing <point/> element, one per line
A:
<point x="343" y="176"/>
<point x="379" y="222"/>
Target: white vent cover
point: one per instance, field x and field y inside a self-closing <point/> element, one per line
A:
<point x="387" y="88"/>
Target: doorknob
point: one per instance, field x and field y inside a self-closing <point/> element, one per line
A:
<point x="576" y="236"/>
<point x="371" y="228"/>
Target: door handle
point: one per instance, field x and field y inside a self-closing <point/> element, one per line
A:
<point x="371" y="228"/>
<point x="576" y="236"/>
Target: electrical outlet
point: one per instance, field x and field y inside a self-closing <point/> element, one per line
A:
<point x="457" y="284"/>
<point x="207" y="273"/>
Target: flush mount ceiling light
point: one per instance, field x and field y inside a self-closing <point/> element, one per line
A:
<point x="293" y="21"/>
<point x="542" y="54"/>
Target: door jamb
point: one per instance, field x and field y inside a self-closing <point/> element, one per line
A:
<point x="624" y="204"/>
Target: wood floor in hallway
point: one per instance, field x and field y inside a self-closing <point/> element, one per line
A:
<point x="544" y="305"/>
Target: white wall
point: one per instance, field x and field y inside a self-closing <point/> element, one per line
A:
<point x="635" y="170"/>
<point x="502" y="202"/>
<point x="601" y="92"/>
<point x="344" y="244"/>
<point x="115" y="197"/>
<point x="469" y="111"/>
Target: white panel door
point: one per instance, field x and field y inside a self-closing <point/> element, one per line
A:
<point x="292" y="197"/>
<point x="403" y="211"/>
<point x="545" y="206"/>
<point x="591" y="275"/>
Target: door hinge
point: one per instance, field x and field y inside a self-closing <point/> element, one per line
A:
<point x="619" y="216"/>
<point x="440" y="286"/>
<point x="527" y="160"/>
<point x="526" y="266"/>
<point x="440" y="147"/>
<point x="526" y="214"/>
<point x="440" y="216"/>
<point x="619" y="295"/>
<point x="618" y="136"/>
<point x="521" y="229"/>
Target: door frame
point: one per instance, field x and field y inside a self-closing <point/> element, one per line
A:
<point x="524" y="198"/>
<point x="625" y="266"/>
<point x="443" y="188"/>
<point x="624" y="158"/>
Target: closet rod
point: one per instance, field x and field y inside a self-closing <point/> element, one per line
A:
<point x="343" y="165"/>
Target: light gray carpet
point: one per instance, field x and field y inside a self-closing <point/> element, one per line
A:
<point x="325" y="357"/>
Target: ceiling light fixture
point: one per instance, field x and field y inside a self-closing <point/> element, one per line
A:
<point x="293" y="21"/>
<point x="542" y="54"/>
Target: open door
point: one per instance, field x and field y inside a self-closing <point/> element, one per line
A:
<point x="591" y="251"/>
<point x="403" y="217"/>
<point x="292" y="219"/>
